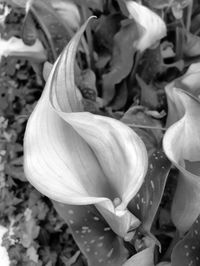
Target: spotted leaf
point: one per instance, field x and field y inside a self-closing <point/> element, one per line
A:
<point x="99" y="244"/>
<point x="146" y="202"/>
<point x="187" y="251"/>
<point x="142" y="258"/>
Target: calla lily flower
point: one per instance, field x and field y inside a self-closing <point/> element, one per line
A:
<point x="181" y="144"/>
<point x="191" y="79"/>
<point x="69" y="12"/>
<point x="16" y="47"/>
<point x="153" y="28"/>
<point x="189" y="82"/>
<point x="79" y="158"/>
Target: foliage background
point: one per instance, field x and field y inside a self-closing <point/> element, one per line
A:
<point x="36" y="234"/>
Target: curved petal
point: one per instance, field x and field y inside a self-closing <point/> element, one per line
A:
<point x="190" y="83"/>
<point x="54" y="151"/>
<point x="79" y="158"/>
<point x="191" y="79"/>
<point x="181" y="144"/>
<point x="145" y="17"/>
<point x="120" y="152"/>
<point x="184" y="134"/>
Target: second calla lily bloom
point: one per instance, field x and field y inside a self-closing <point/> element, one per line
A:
<point x="75" y="157"/>
<point x="181" y="144"/>
<point x="153" y="28"/>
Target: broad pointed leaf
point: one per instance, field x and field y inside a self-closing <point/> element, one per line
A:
<point x="55" y="30"/>
<point x="122" y="59"/>
<point x="96" y="240"/>
<point x="145" y="204"/>
<point x="148" y="128"/>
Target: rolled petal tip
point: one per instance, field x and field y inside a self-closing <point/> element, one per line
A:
<point x="153" y="27"/>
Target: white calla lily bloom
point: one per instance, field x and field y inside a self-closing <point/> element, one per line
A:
<point x="153" y="27"/>
<point x="181" y="144"/>
<point x="79" y="158"/>
<point x="16" y="47"/>
<point x="190" y="83"/>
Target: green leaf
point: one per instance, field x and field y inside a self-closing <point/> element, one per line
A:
<point x="56" y="32"/>
<point x="151" y="64"/>
<point x="145" y="204"/>
<point x="160" y="4"/>
<point x="104" y="31"/>
<point x="187" y="251"/>
<point x="148" y="128"/>
<point x="121" y="96"/>
<point x="149" y="96"/>
<point x="93" y="4"/>
<point x="96" y="240"/>
<point x="122" y="59"/>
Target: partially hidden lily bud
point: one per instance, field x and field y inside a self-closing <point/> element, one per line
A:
<point x="151" y="25"/>
<point x="79" y="158"/>
<point x="181" y="144"/>
<point x="69" y="12"/>
<point x="16" y="47"/>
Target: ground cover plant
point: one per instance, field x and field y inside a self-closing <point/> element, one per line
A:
<point x="100" y="132"/>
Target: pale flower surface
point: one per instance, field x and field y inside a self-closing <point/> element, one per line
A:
<point x="69" y="12"/>
<point x="152" y="27"/>
<point x="16" y="47"/>
<point x="190" y="82"/>
<point x="181" y="144"/>
<point x="75" y="157"/>
<point x="191" y="79"/>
